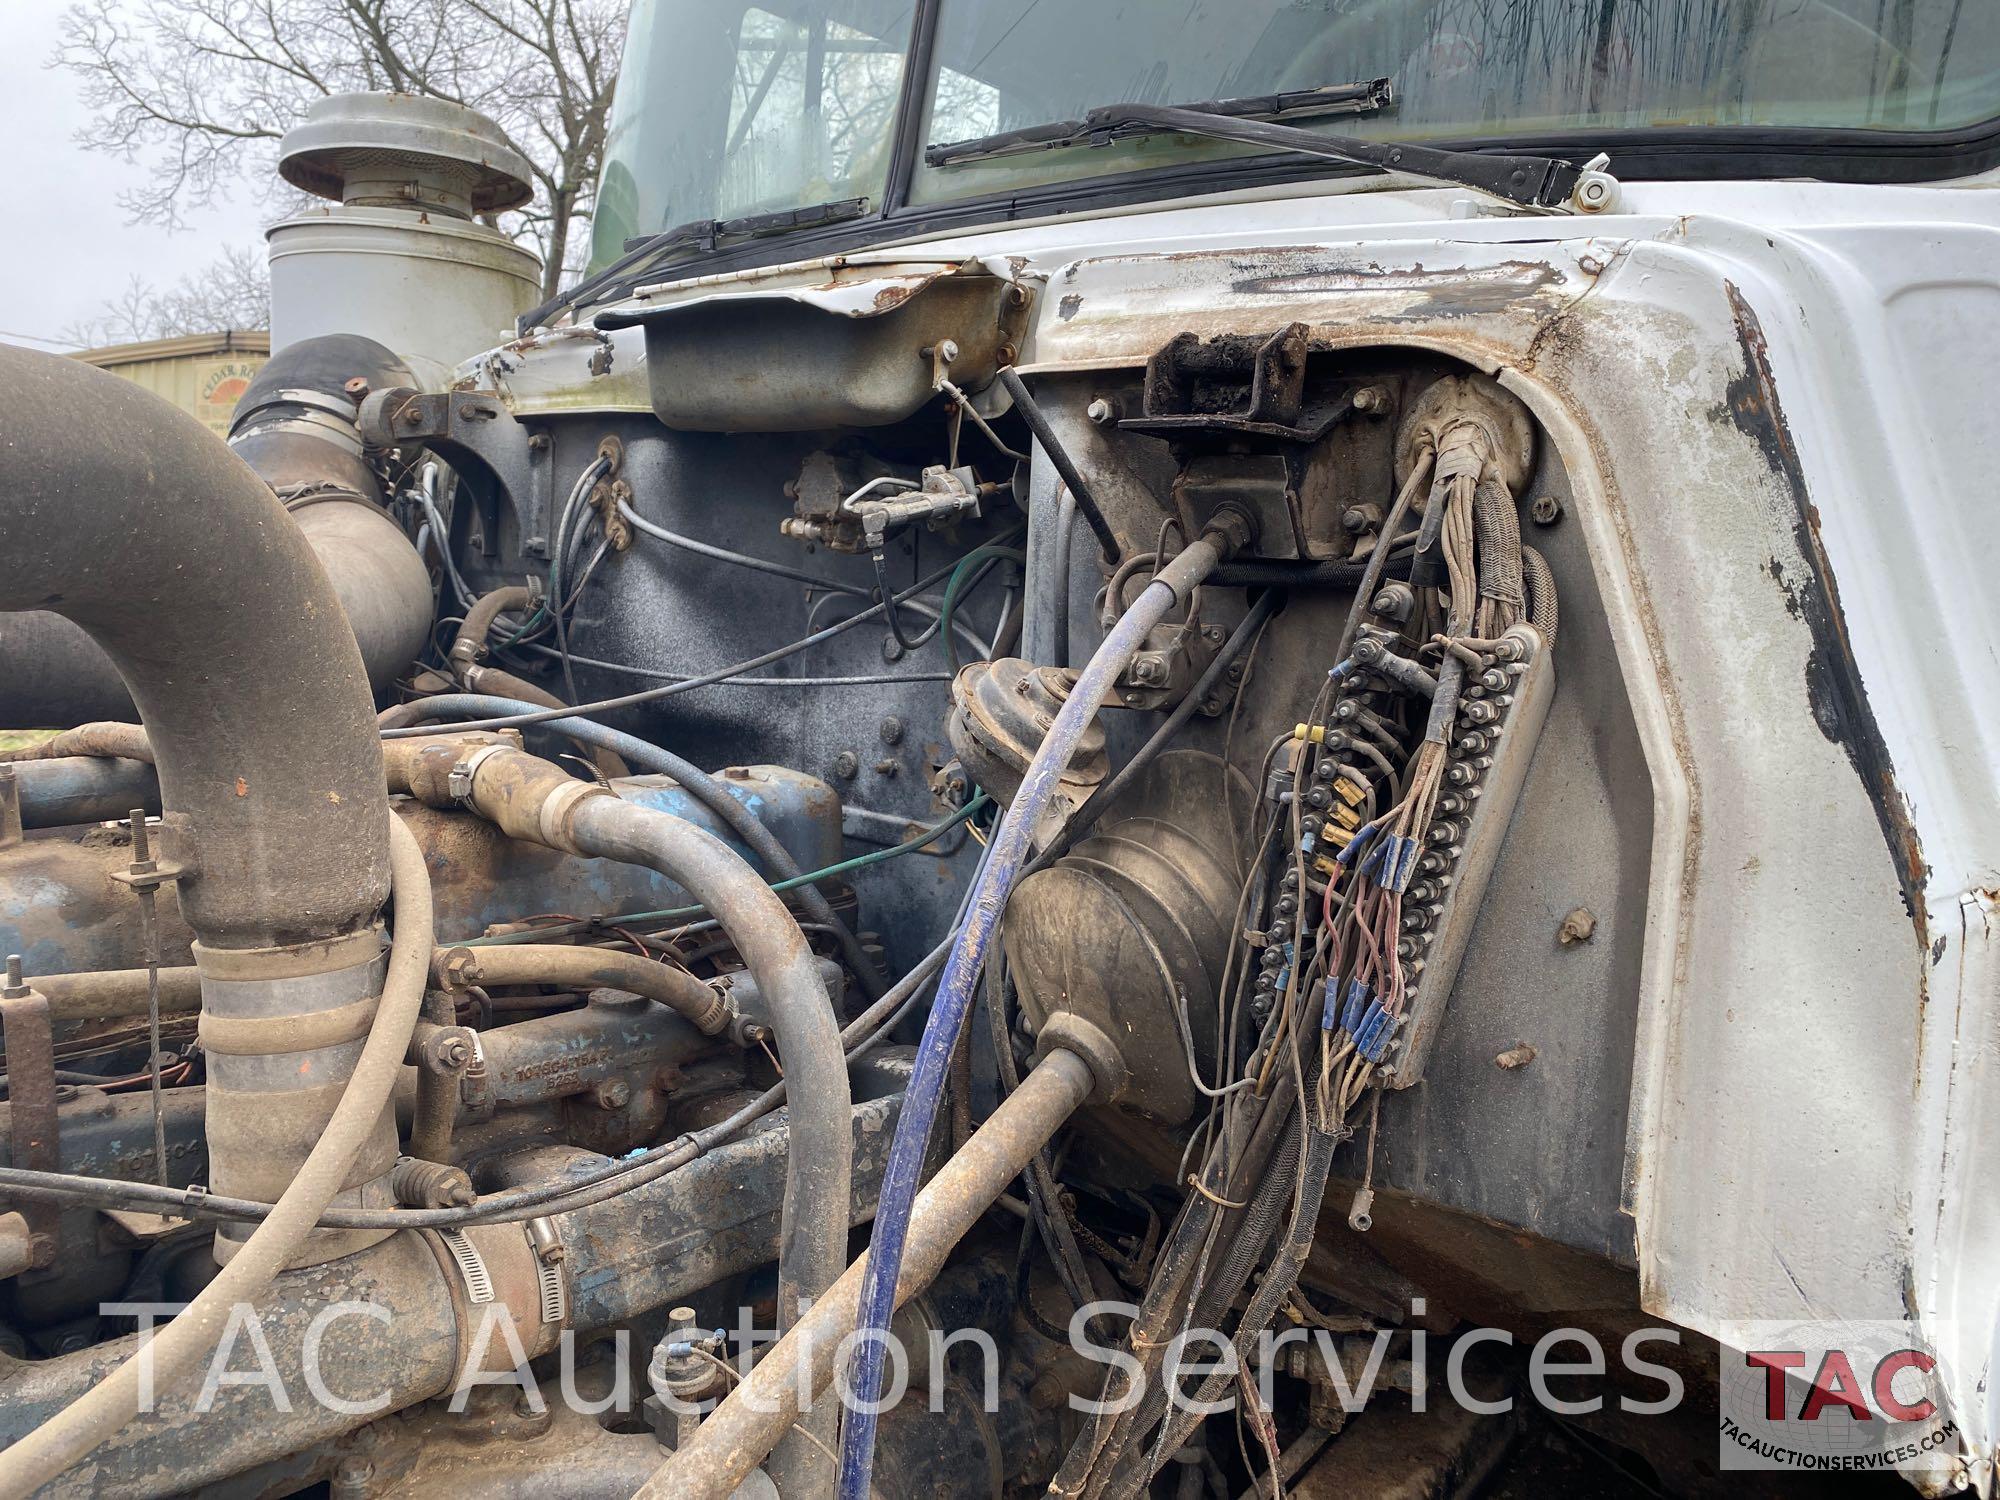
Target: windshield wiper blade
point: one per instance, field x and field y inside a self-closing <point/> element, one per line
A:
<point x="1543" y="182"/>
<point x="700" y="235"/>
<point x="1100" y="127"/>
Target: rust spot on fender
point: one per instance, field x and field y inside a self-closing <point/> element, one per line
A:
<point x="1839" y="701"/>
<point x="1453" y="292"/>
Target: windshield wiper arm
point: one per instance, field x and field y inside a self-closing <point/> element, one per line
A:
<point x="1544" y="182"/>
<point x="702" y="235"/>
<point x="1102" y="126"/>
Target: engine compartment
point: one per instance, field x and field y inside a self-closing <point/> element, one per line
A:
<point x="1317" y="1002"/>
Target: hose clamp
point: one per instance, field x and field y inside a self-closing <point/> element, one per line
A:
<point x="459" y="781"/>
<point x="553" y="818"/>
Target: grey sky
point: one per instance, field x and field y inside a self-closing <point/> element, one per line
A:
<point x="69" y="247"/>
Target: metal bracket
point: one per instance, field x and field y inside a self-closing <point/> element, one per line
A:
<point x="36" y="1142"/>
<point x="10" y="808"/>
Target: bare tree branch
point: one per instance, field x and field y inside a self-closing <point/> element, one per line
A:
<point x="232" y="291"/>
<point x="201" y="90"/>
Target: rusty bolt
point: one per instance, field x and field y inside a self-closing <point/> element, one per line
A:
<point x="538" y="442"/>
<point x="1147" y="668"/>
<point x="1102" y="410"/>
<point x="1546" y="511"/>
<point x="448" y="1050"/>
<point x="614" y="1093"/>
<point x="1371" y="398"/>
<point x="846" y="765"/>
<point x="891" y="730"/>
<point x="1578" y="927"/>
<point x="887" y="766"/>
<point x="357" y="387"/>
<point x="1515" y="1057"/>
<point x="892" y="649"/>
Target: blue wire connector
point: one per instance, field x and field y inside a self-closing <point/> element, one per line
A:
<point x="1356" y="844"/>
<point x="1355" y="1008"/>
<point x="1377" y="1028"/>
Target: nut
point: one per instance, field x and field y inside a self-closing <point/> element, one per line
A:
<point x="1546" y="510"/>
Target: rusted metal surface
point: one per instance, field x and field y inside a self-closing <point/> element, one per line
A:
<point x="658" y="1243"/>
<point x="62" y="911"/>
<point x="35" y="1140"/>
<point x="775" y="354"/>
<point x="1486" y="302"/>
<point x="735" y="1438"/>
<point x="585" y="968"/>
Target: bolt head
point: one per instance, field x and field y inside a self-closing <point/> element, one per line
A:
<point x="1546" y="510"/>
<point x="614" y="1093"/>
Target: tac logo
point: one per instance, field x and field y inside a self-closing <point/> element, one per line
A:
<point x="1834" y="1396"/>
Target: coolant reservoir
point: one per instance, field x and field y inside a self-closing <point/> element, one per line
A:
<point x="399" y="255"/>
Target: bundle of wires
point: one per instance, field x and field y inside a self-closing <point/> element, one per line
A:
<point x="1312" y="1004"/>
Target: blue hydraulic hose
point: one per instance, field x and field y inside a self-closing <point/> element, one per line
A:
<point x="1009" y="851"/>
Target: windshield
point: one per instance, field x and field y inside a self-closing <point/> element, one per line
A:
<point x="727" y="109"/>
<point x="1488" y="69"/>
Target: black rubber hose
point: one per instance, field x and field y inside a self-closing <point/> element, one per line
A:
<point x="1065" y="466"/>
<point x="812" y="1248"/>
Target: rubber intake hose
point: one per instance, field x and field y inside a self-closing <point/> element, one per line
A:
<point x="182" y="1344"/>
<point x="292" y="429"/>
<point x="730" y="1442"/>
<point x="1010" y="844"/>
<point x="129" y="518"/>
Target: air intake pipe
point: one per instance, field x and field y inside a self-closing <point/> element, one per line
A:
<point x="128" y="519"/>
<point x="295" y="427"/>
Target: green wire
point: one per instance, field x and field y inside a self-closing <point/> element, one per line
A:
<point x="682" y="913"/>
<point x="951" y="587"/>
